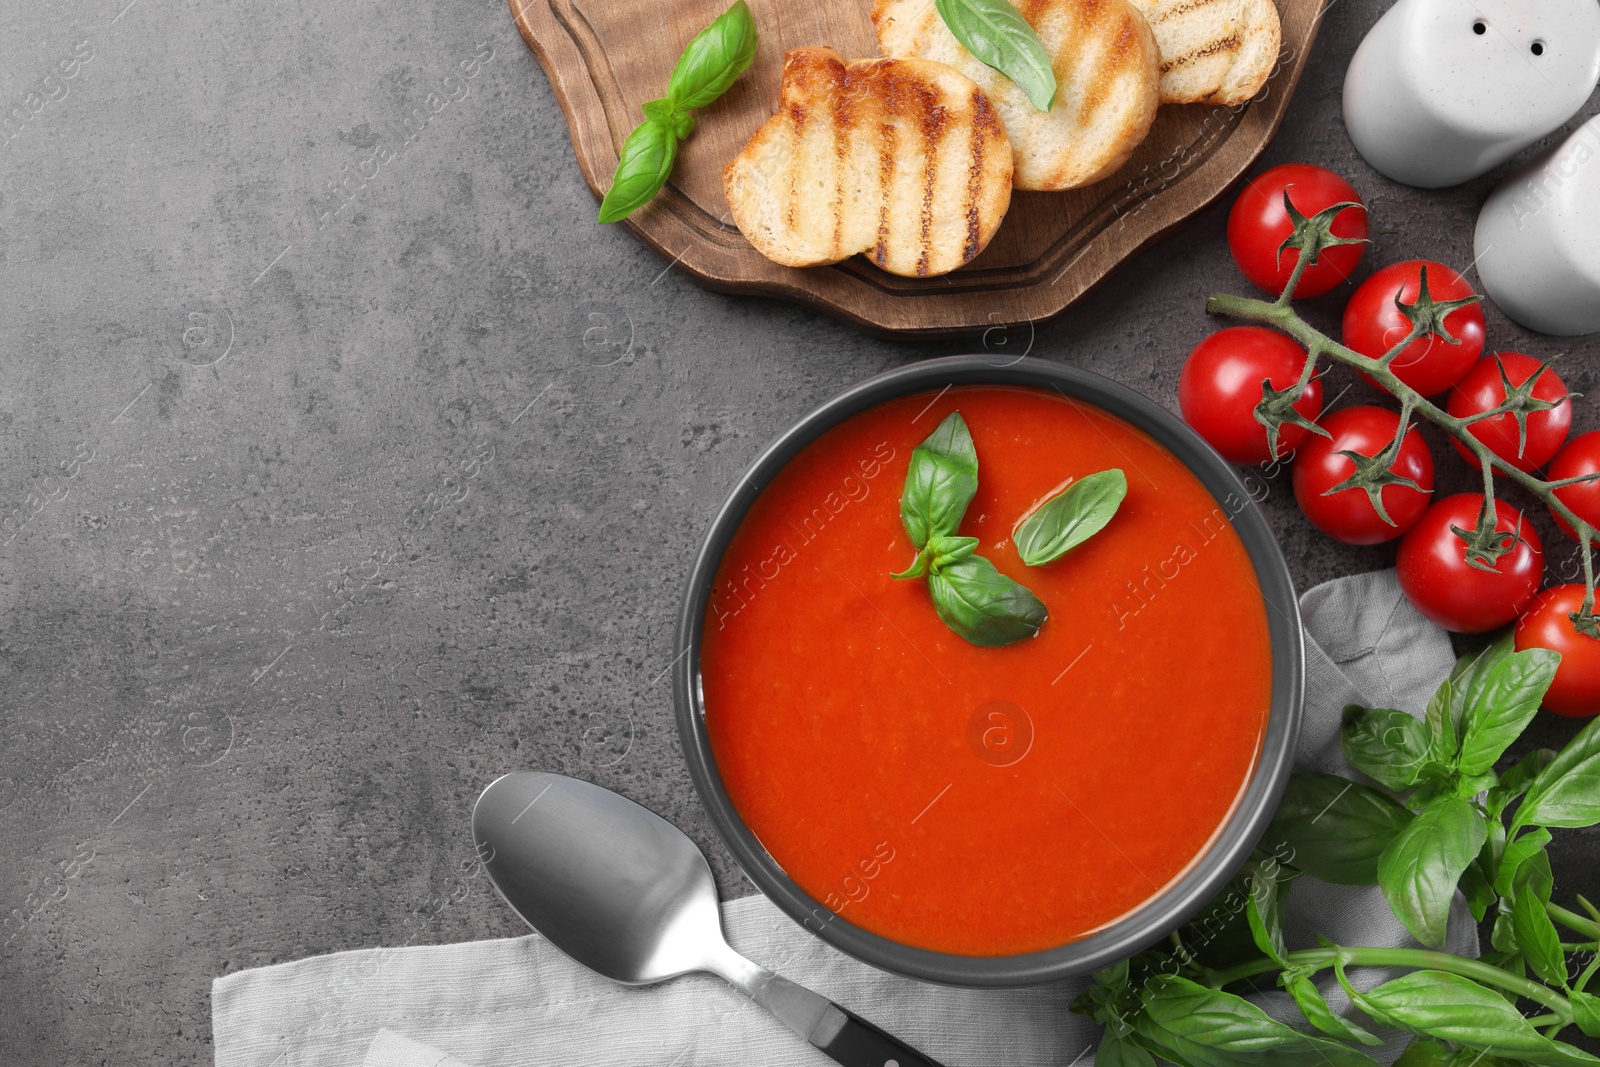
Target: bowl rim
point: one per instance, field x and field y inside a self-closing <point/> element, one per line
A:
<point x="1228" y="850"/>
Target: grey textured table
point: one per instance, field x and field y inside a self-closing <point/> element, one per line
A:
<point x="322" y="508"/>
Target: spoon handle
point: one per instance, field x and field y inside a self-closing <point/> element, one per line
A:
<point x="850" y="1040"/>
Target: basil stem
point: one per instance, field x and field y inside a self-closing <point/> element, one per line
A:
<point x="708" y="66"/>
<point x="998" y="35"/>
<point x="940" y="483"/>
<point x="983" y="605"/>
<point x="1071" y="517"/>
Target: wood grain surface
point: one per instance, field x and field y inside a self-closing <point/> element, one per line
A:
<point x="606" y="57"/>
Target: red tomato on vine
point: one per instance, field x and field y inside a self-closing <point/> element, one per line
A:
<point x="1430" y="364"/>
<point x="1259" y="224"/>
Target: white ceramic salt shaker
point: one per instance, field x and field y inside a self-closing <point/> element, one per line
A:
<point x="1538" y="239"/>
<point x="1441" y="91"/>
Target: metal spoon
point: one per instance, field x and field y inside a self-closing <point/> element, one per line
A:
<point x="625" y="893"/>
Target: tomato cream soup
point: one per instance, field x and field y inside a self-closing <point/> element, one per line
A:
<point x="985" y="801"/>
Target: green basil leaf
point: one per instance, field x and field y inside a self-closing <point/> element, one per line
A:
<point x="1458" y="1010"/>
<point x="1116" y="1051"/>
<point x="1423" y="1052"/>
<point x="681" y="123"/>
<point x="1500" y="703"/>
<point x="943" y="551"/>
<point x="1567" y="791"/>
<point x="1448" y="707"/>
<point x="940" y="482"/>
<point x="983" y="605"/>
<point x="1334" y="828"/>
<point x="1071" y="517"/>
<point x="1476" y="887"/>
<point x="1504" y="936"/>
<point x="1190" y="1023"/>
<point x="1516" y="852"/>
<point x="1419" y="870"/>
<point x="647" y="157"/>
<point x="1388" y="746"/>
<point x="1515" y="782"/>
<point x="1536" y="935"/>
<point x="1219" y="936"/>
<point x="1114" y="977"/>
<point x="714" y="59"/>
<point x="1586" y="1011"/>
<point x="998" y="35"/>
<point x="1311" y="1004"/>
<point x="1264" y="911"/>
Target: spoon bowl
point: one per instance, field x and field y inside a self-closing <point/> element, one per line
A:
<point x="611" y="884"/>
<point x="628" y="895"/>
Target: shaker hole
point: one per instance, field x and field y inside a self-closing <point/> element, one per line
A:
<point x="1538" y="48"/>
<point x="1480" y="27"/>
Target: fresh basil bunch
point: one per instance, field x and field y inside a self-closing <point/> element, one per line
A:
<point x="1443" y="820"/>
<point x="969" y="594"/>
<point x="709" y="65"/>
<point x="996" y="33"/>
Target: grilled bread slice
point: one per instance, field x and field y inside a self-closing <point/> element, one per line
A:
<point x="1107" y="77"/>
<point x="1213" y="51"/>
<point x="904" y="160"/>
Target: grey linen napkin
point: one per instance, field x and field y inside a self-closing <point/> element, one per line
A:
<point x="518" y="1002"/>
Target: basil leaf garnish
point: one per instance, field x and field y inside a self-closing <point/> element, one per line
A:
<point x="1419" y="870"/>
<point x="983" y="605"/>
<point x="1334" y="828"/>
<point x="1071" y="517"/>
<point x="1264" y="911"/>
<point x="940" y="483"/>
<point x="943" y="551"/>
<point x="1567" y="791"/>
<point x="998" y="35"/>
<point x="1312" y="1005"/>
<point x="705" y="70"/>
<point x="1447" y="711"/>
<point x="1117" y="1051"/>
<point x="647" y="157"/>
<point x="1186" y="1022"/>
<point x="1455" y="1009"/>
<point x="1515" y="852"/>
<point x="1515" y="782"/>
<point x="1386" y="745"/>
<point x="1501" y="702"/>
<point x="940" y="551"/>
<point x="1536" y="934"/>
<point x="714" y="59"/>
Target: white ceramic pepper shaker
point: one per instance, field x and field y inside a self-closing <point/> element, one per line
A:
<point x="1441" y="91"/>
<point x="1538" y="239"/>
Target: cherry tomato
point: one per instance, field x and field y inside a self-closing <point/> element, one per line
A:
<point x="1221" y="385"/>
<point x="1482" y="390"/>
<point x="1547" y="623"/>
<point x="1348" y="515"/>
<point x="1373" y="325"/>
<point x="1581" y="456"/>
<point x="1258" y="225"/>
<point x="1436" y="578"/>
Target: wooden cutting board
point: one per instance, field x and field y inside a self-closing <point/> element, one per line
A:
<point x="606" y="57"/>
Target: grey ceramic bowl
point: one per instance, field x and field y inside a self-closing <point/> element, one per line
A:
<point x="1161" y="915"/>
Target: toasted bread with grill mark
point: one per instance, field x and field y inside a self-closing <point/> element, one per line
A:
<point x="904" y="160"/>
<point x="1107" y="77"/>
<point x="1214" y="51"/>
